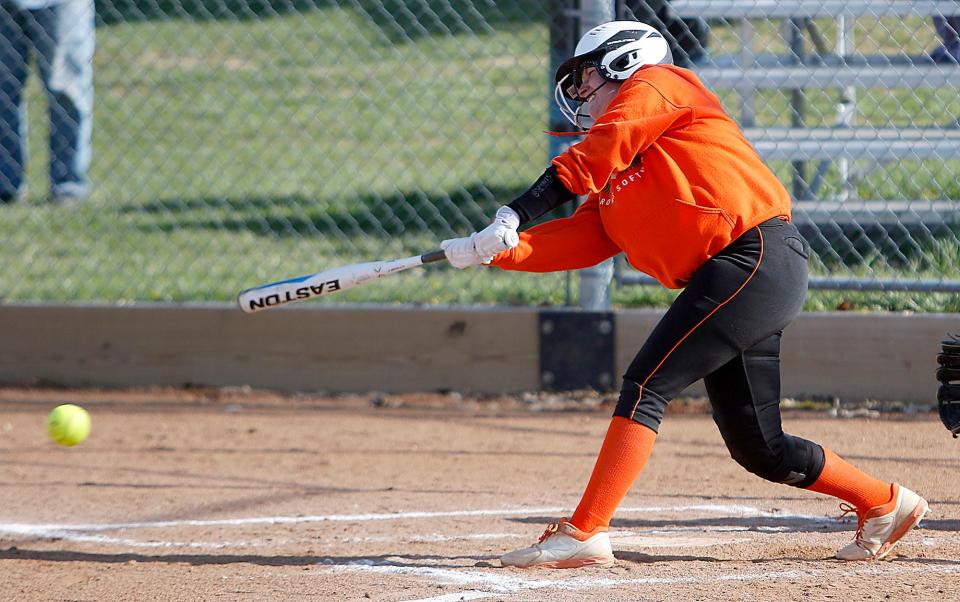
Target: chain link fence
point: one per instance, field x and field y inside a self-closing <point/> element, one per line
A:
<point x="237" y="142"/>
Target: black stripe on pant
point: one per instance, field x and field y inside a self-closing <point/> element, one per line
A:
<point x="725" y="328"/>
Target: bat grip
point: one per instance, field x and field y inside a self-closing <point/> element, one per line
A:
<point x="433" y="256"/>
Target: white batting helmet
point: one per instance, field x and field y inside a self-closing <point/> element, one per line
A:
<point x="616" y="49"/>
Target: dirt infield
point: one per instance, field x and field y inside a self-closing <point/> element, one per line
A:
<point x="213" y="495"/>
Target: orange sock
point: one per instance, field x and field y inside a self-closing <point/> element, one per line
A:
<point x="845" y="481"/>
<point x="623" y="455"/>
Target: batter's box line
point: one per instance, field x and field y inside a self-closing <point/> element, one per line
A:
<point x="89" y="533"/>
<point x="498" y="584"/>
<point x="725" y="510"/>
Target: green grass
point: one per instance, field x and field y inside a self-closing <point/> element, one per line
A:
<point x="234" y="152"/>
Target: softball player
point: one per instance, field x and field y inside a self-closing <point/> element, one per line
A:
<point x="673" y="184"/>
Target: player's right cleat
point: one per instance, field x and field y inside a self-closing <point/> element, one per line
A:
<point x="563" y="546"/>
<point x="881" y="527"/>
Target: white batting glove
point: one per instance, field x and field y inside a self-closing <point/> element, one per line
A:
<point x="462" y="253"/>
<point x="500" y="235"/>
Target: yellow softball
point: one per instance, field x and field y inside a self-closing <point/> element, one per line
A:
<point x="68" y="424"/>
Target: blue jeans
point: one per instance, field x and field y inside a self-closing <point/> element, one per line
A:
<point x="61" y="39"/>
<point x="948" y="28"/>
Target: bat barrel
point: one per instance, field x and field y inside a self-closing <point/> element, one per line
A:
<point x="327" y="282"/>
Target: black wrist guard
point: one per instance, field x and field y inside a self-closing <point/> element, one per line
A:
<point x="546" y="194"/>
<point x="948" y="397"/>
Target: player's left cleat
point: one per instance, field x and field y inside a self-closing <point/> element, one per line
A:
<point x="881" y="527"/>
<point x="563" y="546"/>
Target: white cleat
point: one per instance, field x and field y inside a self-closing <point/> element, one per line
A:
<point x="881" y="527"/>
<point x="563" y="546"/>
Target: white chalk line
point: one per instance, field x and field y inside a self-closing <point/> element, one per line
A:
<point x="500" y="583"/>
<point x="71" y="535"/>
<point x="82" y="533"/>
<point x="90" y="532"/>
<point x="732" y="511"/>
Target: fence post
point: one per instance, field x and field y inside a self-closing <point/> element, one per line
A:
<point x="595" y="281"/>
<point x="564" y="33"/>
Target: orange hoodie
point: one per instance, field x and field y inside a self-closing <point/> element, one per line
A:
<point x="671" y="181"/>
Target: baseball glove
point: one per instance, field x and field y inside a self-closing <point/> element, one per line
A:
<point x="948" y="373"/>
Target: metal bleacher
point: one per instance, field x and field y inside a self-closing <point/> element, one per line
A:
<point x="803" y="61"/>
<point x="842" y="68"/>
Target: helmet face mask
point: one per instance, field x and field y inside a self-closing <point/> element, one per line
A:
<point x="616" y="50"/>
<point x="572" y="105"/>
<point x="576" y="112"/>
<point x="575" y="80"/>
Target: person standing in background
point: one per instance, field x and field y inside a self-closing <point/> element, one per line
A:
<point x="948" y="28"/>
<point x="59" y="36"/>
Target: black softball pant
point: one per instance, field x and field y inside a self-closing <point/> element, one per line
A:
<point x="725" y="328"/>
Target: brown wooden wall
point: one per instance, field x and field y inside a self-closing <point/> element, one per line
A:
<point x="397" y="349"/>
